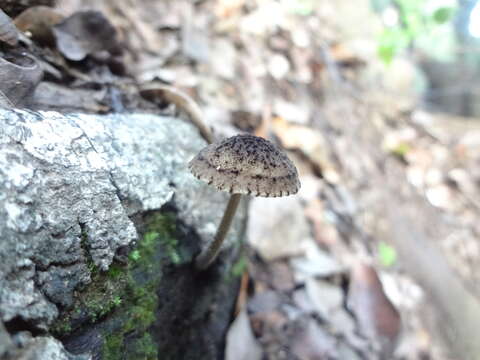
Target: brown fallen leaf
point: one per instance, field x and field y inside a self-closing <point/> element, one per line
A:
<point x="8" y="31"/>
<point x="377" y="318"/>
<point x="246" y="120"/>
<point x="242" y="293"/>
<point x="263" y="129"/>
<point x="310" y="142"/>
<point x="84" y="33"/>
<point x="267" y="321"/>
<point x="228" y="8"/>
<point x="37" y="23"/>
<point x="325" y="233"/>
<point x="311" y="342"/>
<point x="344" y="56"/>
<point x="13" y="7"/>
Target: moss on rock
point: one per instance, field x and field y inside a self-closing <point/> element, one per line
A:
<point x="123" y="300"/>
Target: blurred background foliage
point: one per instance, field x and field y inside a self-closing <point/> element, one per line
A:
<point x="421" y="25"/>
<point x="441" y="37"/>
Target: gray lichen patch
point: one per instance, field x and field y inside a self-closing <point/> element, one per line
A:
<point x="68" y="180"/>
<point x="59" y="282"/>
<point x="44" y="348"/>
<point x="72" y="191"/>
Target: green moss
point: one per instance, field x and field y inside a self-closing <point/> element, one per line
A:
<point x="141" y="299"/>
<point x="115" y="271"/>
<point x="239" y="267"/>
<point x="112" y="348"/>
<point x="127" y="291"/>
<point x="98" y="308"/>
<point x="134" y="255"/>
<point x="61" y="328"/>
<point x="161" y="228"/>
<point x="141" y="313"/>
<point x="144" y="348"/>
<point x="84" y="245"/>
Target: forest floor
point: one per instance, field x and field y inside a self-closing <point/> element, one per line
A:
<point x="375" y="257"/>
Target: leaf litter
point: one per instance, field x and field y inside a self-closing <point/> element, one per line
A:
<point x="293" y="71"/>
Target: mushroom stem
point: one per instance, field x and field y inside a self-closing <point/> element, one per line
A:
<point x="208" y="255"/>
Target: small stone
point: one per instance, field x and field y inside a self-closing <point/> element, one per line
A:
<point x="278" y="66"/>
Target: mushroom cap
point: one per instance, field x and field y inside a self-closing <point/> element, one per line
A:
<point x="246" y="164"/>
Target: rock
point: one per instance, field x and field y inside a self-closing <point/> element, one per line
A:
<point x="278" y="66"/>
<point x="223" y="59"/>
<point x="46" y="348"/>
<point x="316" y="263"/>
<point x="277" y="228"/>
<point x="195" y="40"/>
<point x="325" y="297"/>
<point x="94" y="211"/>
<point x="59" y="282"/>
<point x="5" y="340"/>
<point x="282" y="276"/>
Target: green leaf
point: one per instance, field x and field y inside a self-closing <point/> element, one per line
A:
<point x="239" y="267"/>
<point x="386" y="52"/>
<point x="387" y="254"/>
<point x="391" y="42"/>
<point x="401" y="149"/>
<point x="443" y="14"/>
<point x="301" y="7"/>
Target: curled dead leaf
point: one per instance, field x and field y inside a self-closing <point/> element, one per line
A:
<point x="85" y="33"/>
<point x="376" y="316"/>
<point x="37" y="22"/>
<point x="14" y="7"/>
<point x="20" y="74"/>
<point x="312" y="342"/>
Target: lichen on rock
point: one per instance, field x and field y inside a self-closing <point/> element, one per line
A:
<point x="78" y="198"/>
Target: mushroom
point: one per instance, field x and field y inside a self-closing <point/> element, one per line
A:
<point x="242" y="164"/>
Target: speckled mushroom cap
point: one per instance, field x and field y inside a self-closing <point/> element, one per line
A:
<point x="246" y="164"/>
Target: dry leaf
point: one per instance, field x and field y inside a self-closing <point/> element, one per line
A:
<point x="37" y="22"/>
<point x="8" y="31"/>
<point x="84" y="33"/>
<point x="311" y="342"/>
<point x="20" y="75"/>
<point x="310" y="142"/>
<point x="246" y="120"/>
<point x="376" y="316"/>
<point x="57" y="97"/>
